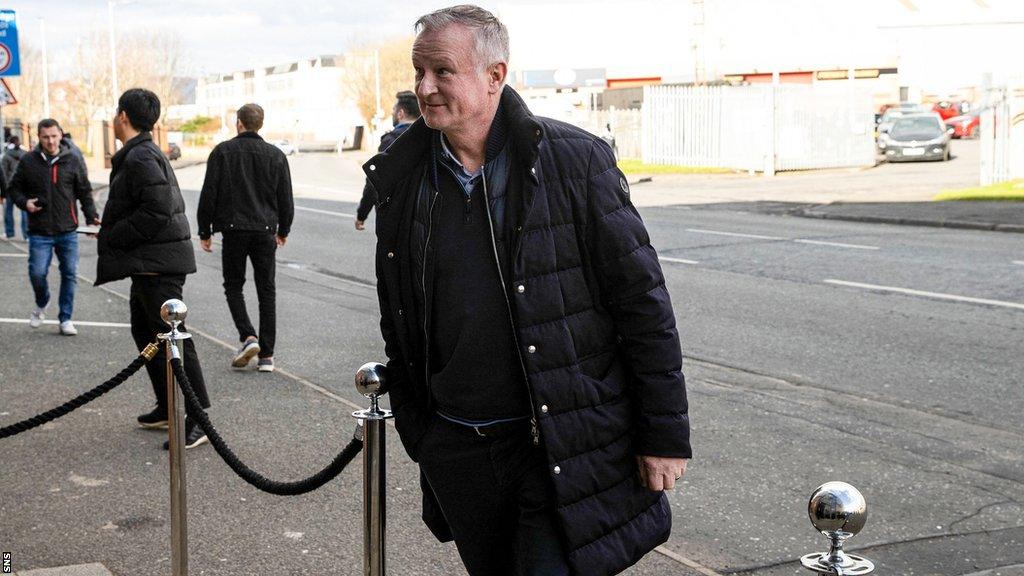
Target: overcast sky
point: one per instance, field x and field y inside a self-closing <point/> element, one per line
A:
<point x="226" y="35"/>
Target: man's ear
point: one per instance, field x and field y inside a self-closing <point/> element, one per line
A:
<point x="496" y="74"/>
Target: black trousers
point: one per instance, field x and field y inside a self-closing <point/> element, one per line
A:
<point x="260" y="248"/>
<point x="148" y="293"/>
<point x="497" y="497"/>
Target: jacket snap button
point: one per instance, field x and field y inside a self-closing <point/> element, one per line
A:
<point x="372" y="167"/>
<point x="401" y="312"/>
<point x="544" y="408"/>
<point x="531" y="348"/>
<point x="520" y="288"/>
<point x="533" y="170"/>
<point x="391" y="254"/>
<point x="558" y="470"/>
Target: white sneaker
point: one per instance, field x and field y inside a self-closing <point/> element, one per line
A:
<point x="36" y="319"/>
<point x="67" y="328"/>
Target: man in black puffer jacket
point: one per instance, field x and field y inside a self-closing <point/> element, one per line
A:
<point x="405" y="112"/>
<point x="533" y="360"/>
<point x="146" y="236"/>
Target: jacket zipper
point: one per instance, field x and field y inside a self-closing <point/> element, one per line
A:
<point x="534" y="429"/>
<point x="423" y="282"/>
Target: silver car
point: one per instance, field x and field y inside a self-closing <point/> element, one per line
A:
<point x="916" y="137"/>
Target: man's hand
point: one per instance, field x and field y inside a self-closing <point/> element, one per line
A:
<point x="31" y="207"/>
<point x="657" y="473"/>
<point x="281" y="240"/>
<point x="95" y="222"/>
<point x="360" y="224"/>
<point x="206" y="244"/>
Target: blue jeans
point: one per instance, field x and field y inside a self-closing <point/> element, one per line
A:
<point x="9" y="219"/>
<point x="40" y="253"/>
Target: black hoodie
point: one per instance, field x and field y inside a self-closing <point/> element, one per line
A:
<point x="56" y="183"/>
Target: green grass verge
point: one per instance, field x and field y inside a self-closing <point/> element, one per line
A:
<point x="636" y="167"/>
<point x="1004" y="191"/>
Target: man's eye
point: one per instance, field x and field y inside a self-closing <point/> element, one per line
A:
<point x="443" y="72"/>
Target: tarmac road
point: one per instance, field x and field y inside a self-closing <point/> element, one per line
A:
<point x="885" y="356"/>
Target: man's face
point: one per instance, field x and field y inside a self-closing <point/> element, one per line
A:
<point x="119" y="119"/>
<point x="49" y="139"/>
<point x="452" y="88"/>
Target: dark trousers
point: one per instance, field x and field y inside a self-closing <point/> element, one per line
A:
<point x="260" y="248"/>
<point x="497" y="497"/>
<point x="148" y="293"/>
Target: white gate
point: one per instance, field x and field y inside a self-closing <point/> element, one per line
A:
<point x="758" y="128"/>
<point x="1002" y="135"/>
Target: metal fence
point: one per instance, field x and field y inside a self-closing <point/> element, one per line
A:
<point x="758" y="128"/>
<point x="1002" y="134"/>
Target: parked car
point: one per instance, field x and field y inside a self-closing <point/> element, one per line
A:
<point x="173" y="151"/>
<point x="947" y="109"/>
<point x="916" y="137"/>
<point x="285" y="146"/>
<point x="891" y="112"/>
<point x="965" y="125"/>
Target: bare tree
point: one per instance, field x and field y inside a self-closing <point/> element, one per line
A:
<point x="27" y="88"/>
<point x="396" y="74"/>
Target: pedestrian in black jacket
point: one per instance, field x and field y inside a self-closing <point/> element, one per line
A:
<point x="9" y="163"/>
<point x="405" y="112"/>
<point x="247" y="196"/>
<point x="146" y="236"/>
<point x="49" y="184"/>
<point x="533" y="360"/>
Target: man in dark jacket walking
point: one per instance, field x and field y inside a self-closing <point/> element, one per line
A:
<point x="405" y="112"/>
<point x="247" y="196"/>
<point x="146" y="236"/>
<point x="533" y="360"/>
<point x="49" y="184"/>
<point x="8" y="164"/>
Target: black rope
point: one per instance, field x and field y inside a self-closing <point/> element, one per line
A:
<point x="82" y="400"/>
<point x="254" y="478"/>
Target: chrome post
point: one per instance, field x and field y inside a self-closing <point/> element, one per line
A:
<point x="370" y="382"/>
<point x="839" y="512"/>
<point x="173" y="313"/>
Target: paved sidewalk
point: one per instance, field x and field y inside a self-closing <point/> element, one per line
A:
<point x="76" y="570"/>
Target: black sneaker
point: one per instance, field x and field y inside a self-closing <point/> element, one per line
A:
<point x="154" y="420"/>
<point x="194" y="436"/>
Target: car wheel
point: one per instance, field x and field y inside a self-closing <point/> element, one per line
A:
<point x="945" y="155"/>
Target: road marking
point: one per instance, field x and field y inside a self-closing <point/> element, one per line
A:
<point x="13" y="255"/>
<point x="1021" y="262"/>
<point x="77" y="323"/>
<point x="676" y="260"/>
<point x="328" y="212"/>
<point x="838" y="244"/>
<point x="938" y="295"/>
<point x="686" y="561"/>
<point x="719" y="233"/>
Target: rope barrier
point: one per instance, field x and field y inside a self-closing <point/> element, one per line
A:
<point x="146" y="355"/>
<point x="254" y="478"/>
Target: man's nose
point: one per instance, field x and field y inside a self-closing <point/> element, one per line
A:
<point x="426" y="86"/>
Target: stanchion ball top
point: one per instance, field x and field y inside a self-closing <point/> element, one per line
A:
<point x="370" y="380"/>
<point x="837" y="508"/>
<point x="173" y="310"/>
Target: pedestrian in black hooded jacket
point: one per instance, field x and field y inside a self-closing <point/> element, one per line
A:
<point x="146" y="236"/>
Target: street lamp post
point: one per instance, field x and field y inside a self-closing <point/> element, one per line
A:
<point x="113" y="53"/>
<point x="46" y="69"/>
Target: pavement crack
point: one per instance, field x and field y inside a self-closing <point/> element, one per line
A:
<point x="978" y="512"/>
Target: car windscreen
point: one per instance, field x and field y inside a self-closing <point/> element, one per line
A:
<point x="916" y="129"/>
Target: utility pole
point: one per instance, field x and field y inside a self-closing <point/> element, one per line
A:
<point x="46" y="69"/>
<point x="113" y="53"/>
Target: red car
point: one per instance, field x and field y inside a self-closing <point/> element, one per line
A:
<point x="965" y="125"/>
<point x="948" y="109"/>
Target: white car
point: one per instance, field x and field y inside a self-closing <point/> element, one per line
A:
<point x="285" y="146"/>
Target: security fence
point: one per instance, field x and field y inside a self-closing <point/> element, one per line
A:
<point x="761" y="128"/>
<point x="1002" y="134"/>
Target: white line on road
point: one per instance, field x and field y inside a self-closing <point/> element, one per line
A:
<point x="937" y="295"/>
<point x="13" y="255"/>
<point x="719" y="233"/>
<point x="77" y="323"/>
<point x="1021" y="262"/>
<point x="837" y="244"/>
<point x="676" y="260"/>
<point x="328" y="212"/>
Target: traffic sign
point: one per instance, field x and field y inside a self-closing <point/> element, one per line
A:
<point x="6" y="96"/>
<point x="10" y="62"/>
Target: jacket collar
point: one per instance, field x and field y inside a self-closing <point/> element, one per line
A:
<point x="117" y="158"/>
<point x="249" y="134"/>
<point x="387" y="169"/>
